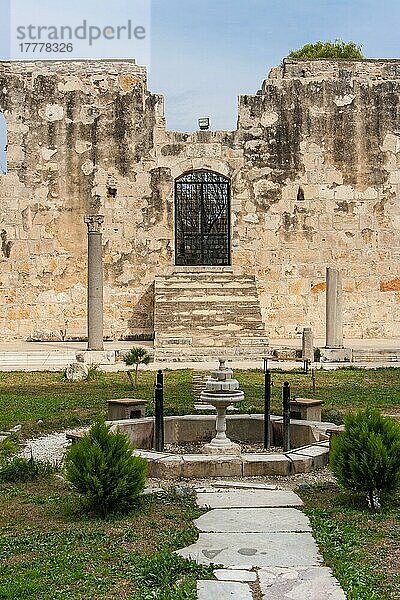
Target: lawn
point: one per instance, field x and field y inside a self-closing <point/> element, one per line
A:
<point x="361" y="546"/>
<point x="27" y="398"/>
<point x="49" y="550"/>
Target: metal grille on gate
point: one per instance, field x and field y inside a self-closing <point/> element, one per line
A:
<point x="202" y="219"/>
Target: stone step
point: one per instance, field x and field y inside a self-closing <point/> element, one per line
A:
<point x="208" y="315"/>
<point x="223" y="590"/>
<point x="253" y="520"/>
<point x="246" y="498"/>
<point x="40" y="360"/>
<point x="302" y="583"/>
<point x="255" y="550"/>
<point x="372" y="355"/>
<point x="209" y="354"/>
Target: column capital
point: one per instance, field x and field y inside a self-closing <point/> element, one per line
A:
<point x="94" y="223"/>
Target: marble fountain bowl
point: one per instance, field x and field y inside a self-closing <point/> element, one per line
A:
<point x="310" y="446"/>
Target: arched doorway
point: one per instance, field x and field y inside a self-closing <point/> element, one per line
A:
<point x="202" y="219"/>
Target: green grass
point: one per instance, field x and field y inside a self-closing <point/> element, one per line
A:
<point x="343" y="389"/>
<point x="29" y="397"/>
<point x="362" y="547"/>
<point x="48" y="550"/>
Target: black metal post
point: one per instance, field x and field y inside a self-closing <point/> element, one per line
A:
<point x="267" y="405"/>
<point x="286" y="416"/>
<point x="313" y="379"/>
<point x="159" y="418"/>
<point x="160" y="378"/>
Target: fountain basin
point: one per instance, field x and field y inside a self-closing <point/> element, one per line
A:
<point x="310" y="447"/>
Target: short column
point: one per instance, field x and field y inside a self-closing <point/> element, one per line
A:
<point x="95" y="282"/>
<point x="334" y="309"/>
<point x="307" y="351"/>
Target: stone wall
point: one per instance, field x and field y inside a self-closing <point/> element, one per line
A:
<point x="315" y="172"/>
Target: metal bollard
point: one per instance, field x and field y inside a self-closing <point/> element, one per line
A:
<point x="267" y="405"/>
<point x="159" y="418"/>
<point x="286" y="416"/>
<point x="160" y="378"/>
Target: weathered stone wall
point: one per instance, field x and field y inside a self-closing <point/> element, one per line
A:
<point x="315" y="177"/>
<point x="322" y="148"/>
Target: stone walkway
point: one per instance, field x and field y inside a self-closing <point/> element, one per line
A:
<point x="264" y="545"/>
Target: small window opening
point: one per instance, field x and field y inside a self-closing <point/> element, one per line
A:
<point x="111" y="191"/>
<point x="300" y="195"/>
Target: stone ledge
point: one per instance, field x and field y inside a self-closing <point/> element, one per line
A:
<point x="193" y="466"/>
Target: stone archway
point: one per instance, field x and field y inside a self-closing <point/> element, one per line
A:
<point x="202" y="219"/>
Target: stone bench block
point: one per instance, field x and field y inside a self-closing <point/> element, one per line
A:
<point x="169" y="467"/>
<point x="255" y="465"/>
<point x="300" y="464"/>
<point x="306" y="409"/>
<point x="318" y="454"/>
<point x="126" y="408"/>
<point x="199" y="466"/>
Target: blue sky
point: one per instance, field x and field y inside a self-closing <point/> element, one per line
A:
<point x="204" y="53"/>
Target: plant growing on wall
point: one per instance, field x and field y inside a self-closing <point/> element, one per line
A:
<point x="336" y="49"/>
<point x="136" y="357"/>
<point x="366" y="457"/>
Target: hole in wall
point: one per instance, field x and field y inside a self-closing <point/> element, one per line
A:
<point x="300" y="195"/>
<point x="111" y="191"/>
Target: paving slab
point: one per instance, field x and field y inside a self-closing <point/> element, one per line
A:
<point x="299" y="584"/>
<point x="253" y="520"/>
<point x="235" y="575"/>
<point x="244" y="485"/>
<point x="223" y="590"/>
<point x="249" y="550"/>
<point x="319" y="454"/>
<point x="246" y="498"/>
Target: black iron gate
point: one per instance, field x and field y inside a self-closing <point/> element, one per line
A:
<point x="202" y="219"/>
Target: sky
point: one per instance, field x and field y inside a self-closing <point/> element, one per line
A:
<point x="201" y="54"/>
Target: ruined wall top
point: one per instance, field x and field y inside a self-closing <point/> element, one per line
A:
<point x="327" y="68"/>
<point x="73" y="67"/>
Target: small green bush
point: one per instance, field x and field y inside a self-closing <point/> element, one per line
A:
<point x="366" y="457"/>
<point x="19" y="469"/>
<point x="336" y="49"/>
<point x="102" y="468"/>
<point x="95" y="374"/>
<point x="7" y="449"/>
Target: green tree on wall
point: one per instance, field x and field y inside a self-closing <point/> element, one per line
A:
<point x="336" y="49"/>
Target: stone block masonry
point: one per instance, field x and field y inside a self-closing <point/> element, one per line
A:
<point x="314" y="177"/>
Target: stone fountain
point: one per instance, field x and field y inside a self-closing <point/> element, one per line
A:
<point x="221" y="391"/>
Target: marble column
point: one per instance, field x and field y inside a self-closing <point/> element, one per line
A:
<point x="95" y="282"/>
<point x="334" y="309"/>
<point x="308" y="344"/>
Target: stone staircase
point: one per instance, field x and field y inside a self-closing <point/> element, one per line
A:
<point x="206" y="315"/>
<point x="384" y="355"/>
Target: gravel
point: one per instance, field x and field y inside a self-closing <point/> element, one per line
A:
<point x="49" y="448"/>
<point x="196" y="448"/>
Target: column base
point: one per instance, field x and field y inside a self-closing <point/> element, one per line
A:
<point x="96" y="357"/>
<point x="329" y="355"/>
<point x="228" y="448"/>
